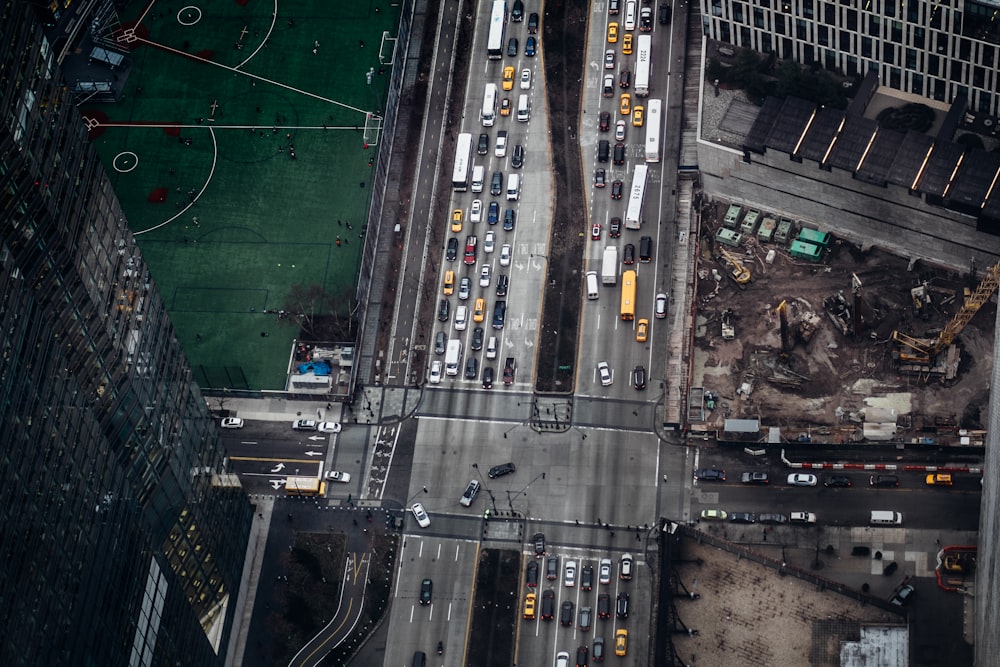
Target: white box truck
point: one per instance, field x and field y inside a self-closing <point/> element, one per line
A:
<point x="453" y="357"/>
<point x="609" y="266"/>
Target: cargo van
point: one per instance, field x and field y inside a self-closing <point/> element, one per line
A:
<point x="646" y="249"/>
<point x="419" y="659"/>
<point x="886" y="518"/>
<point x="523" y="108"/>
<point x="478" y="176"/>
<point x="513" y="187"/>
<point x="592" y="285"/>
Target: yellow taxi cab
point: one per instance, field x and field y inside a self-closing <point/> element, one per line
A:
<point x="939" y="479"/>
<point x="449" y="283"/>
<point x="627" y="44"/>
<point x="479" y="311"/>
<point x="638" y="116"/>
<point x="641" y="330"/>
<point x="529" y="606"/>
<point x="612" y="32"/>
<point x="621" y="642"/>
<point x="456" y="220"/>
<point x="626" y="104"/>
<point x="508" y="78"/>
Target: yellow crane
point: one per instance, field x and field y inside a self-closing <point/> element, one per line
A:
<point x="740" y="273"/>
<point x="924" y="350"/>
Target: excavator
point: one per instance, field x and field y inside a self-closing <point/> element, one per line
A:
<point x="740" y="274"/>
<point x="923" y="355"/>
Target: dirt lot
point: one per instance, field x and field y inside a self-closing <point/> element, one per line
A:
<point x="824" y="382"/>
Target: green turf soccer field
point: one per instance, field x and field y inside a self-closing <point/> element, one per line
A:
<point x="220" y="97"/>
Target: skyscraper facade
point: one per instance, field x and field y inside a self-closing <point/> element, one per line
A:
<point x="124" y="535"/>
<point x="938" y="50"/>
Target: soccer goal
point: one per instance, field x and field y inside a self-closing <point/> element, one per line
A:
<point x="373" y="129"/>
<point x="387" y="49"/>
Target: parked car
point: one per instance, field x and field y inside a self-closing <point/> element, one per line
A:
<point x="304" y="425"/>
<point x="838" y="481"/>
<point x="329" y="427"/>
<point x="883" y="481"/>
<point x="742" y="517"/>
<point x="903" y="595"/>
<point x="231" y="422"/>
<point x="801" y="517"/>
<point x="772" y="518"/>
<point x="710" y="475"/>
<point x="714" y="515"/>
<point x="754" y="478"/>
<point x="801" y="479"/>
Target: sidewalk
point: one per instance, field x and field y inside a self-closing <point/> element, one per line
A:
<point x="372" y="405"/>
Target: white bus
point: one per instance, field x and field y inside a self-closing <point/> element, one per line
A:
<point x="654" y="121"/>
<point x="643" y="59"/>
<point x="489" y="113"/>
<point x="463" y="163"/>
<point x="633" y="214"/>
<point x="498" y="25"/>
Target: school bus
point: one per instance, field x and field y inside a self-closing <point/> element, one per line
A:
<point x="628" y="296"/>
<point x="305" y="486"/>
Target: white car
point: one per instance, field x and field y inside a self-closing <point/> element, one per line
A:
<point x="801" y="479"/>
<point x="329" y="427"/>
<point x="490" y="243"/>
<point x="604" y="371"/>
<point x="435" y="377"/>
<point x="661" y="306"/>
<point x="338" y="476"/>
<point x="501" y="147"/>
<point x="484" y="276"/>
<point x="620" y="131"/>
<point x="604" y="571"/>
<point x="505" y="254"/>
<point x="476" y="212"/>
<point x="232" y="422"/>
<point x="569" y="574"/>
<point x="304" y="425"/>
<point x="420" y="514"/>
<point x="562" y="659"/>
<point x="802" y="517"/>
<point x="525" y="79"/>
<point x="461" y="318"/>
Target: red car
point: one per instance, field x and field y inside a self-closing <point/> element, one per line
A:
<point x="595" y="232"/>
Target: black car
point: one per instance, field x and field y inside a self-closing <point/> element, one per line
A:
<point x="444" y="310"/>
<point x="772" y="518"/>
<point x="754" y="478"/>
<point x="530" y="47"/>
<point x="532" y="23"/>
<point x="603" y="150"/>
<point x="603" y="606"/>
<point x="625" y="79"/>
<point x="665" y="13"/>
<point x="512" y="47"/>
<point x="742" y="517"/>
<point x="628" y="254"/>
<point x="539" y="541"/>
<point x="531" y="574"/>
<point x="838" y="481"/>
<point x="615" y="228"/>
<point x="552" y="568"/>
<point x="619" y="157"/>
<point x="604" y="121"/>
<point x="440" y="342"/>
<point x="501" y="470"/>
<point x="639" y="377"/>
<point x="451" y="254"/>
<point x="488" y="377"/>
<point x="587" y="578"/>
<point x="517" y="159"/>
<point x="566" y="613"/>
<point x="483" y="147"/>
<point x="883" y="481"/>
<point x="502" y="282"/>
<point x="548" y="605"/>
<point x="581" y="656"/>
<point x="477" y="338"/>
<point x="426" y="587"/>
<point x="646" y="20"/>
<point x="517" y="11"/>
<point x="493" y="213"/>
<point x="616" y="189"/>
<point x="621" y="605"/>
<point x="508" y="220"/>
<point x="496" y="184"/>
<point x="903" y="596"/>
<point x="710" y="475"/>
<point x="471" y="368"/>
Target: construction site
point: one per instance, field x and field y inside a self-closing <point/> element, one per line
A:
<point x="802" y="336"/>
